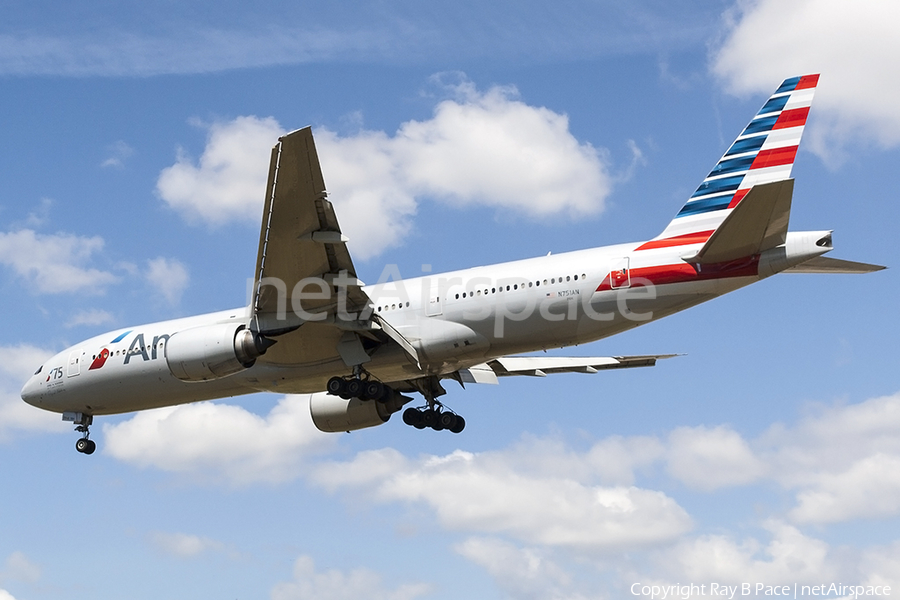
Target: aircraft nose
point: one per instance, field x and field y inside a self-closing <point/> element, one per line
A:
<point x="31" y="392"/>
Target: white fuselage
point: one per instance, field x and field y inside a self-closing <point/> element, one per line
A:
<point x="454" y="320"/>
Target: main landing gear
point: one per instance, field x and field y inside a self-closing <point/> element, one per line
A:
<point x="359" y="388"/>
<point x="82" y="422"/>
<point x="434" y="414"/>
<point x="434" y="417"/>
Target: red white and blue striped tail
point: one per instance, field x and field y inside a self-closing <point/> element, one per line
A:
<point x="763" y="153"/>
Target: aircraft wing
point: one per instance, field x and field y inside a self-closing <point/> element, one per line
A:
<point x="300" y="238"/>
<point x="541" y="366"/>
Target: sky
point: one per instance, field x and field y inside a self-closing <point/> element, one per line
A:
<point x="135" y="143"/>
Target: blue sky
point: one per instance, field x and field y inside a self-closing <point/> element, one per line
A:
<point x="768" y="453"/>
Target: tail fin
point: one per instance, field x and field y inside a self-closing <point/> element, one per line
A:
<point x="763" y="153"/>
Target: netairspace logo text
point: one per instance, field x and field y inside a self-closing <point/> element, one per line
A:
<point x="718" y="590"/>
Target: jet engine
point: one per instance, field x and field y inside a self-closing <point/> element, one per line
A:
<point x="213" y="351"/>
<point x="333" y="414"/>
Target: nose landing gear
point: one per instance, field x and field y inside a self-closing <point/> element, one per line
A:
<point x="85" y="445"/>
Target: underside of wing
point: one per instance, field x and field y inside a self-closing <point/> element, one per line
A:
<point x="300" y="241"/>
<point x="541" y="366"/>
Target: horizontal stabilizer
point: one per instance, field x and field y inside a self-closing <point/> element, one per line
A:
<point x="757" y="223"/>
<point x="541" y="366"/>
<point x="823" y="264"/>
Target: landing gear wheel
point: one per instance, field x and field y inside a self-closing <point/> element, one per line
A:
<point x="459" y="425"/>
<point x="447" y="420"/>
<point x="85" y="446"/>
<point x="429" y="417"/>
<point x="336" y="386"/>
<point x="355" y="389"/>
<point x="374" y="390"/>
<point x="412" y="417"/>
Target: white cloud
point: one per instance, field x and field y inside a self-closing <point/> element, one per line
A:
<point x="169" y="277"/>
<point x="335" y="584"/>
<point x="94" y="316"/>
<point x="364" y="182"/>
<point x="20" y="567"/>
<point x="881" y="566"/>
<point x="17" y="363"/>
<point x="489" y="149"/>
<point x="769" y="40"/>
<point x="211" y="440"/>
<point x="870" y="488"/>
<point x="183" y="545"/>
<point x="492" y="148"/>
<point x="707" y="459"/>
<point x="485" y="493"/>
<point x="789" y="557"/>
<point x="229" y="182"/>
<point x="4" y="595"/>
<point x="52" y="264"/>
<point x="118" y="153"/>
<point x="41" y="214"/>
<point x="841" y="461"/>
<point x="522" y="572"/>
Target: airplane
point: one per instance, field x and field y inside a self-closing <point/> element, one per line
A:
<point x="313" y="326"/>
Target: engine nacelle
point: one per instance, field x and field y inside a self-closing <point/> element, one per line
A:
<point x="333" y="414"/>
<point x="213" y="351"/>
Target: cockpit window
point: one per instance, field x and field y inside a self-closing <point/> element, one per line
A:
<point x="39" y="369"/>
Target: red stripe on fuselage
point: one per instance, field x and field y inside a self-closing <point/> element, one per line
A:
<point x="685" y="273"/>
<point x="697" y="237"/>
<point x="774" y="157"/>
